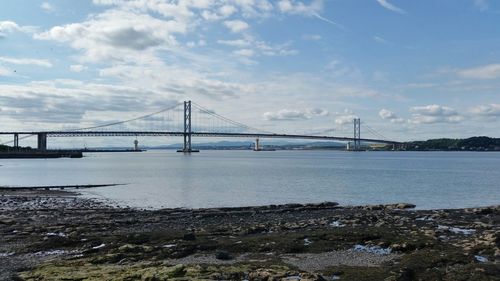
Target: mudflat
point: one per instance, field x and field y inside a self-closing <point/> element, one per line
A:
<point x="57" y="235"/>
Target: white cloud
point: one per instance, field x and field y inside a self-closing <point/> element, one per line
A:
<point x="389" y="115"/>
<point x="245" y="52"/>
<point x="425" y="119"/>
<point x="236" y="25"/>
<point x="227" y="10"/>
<point x="10" y="27"/>
<point x="220" y="13"/>
<point x="200" y="43"/>
<point x="249" y="46"/>
<point x="53" y="103"/>
<point x="345" y="117"/>
<point x="47" y="7"/>
<point x="77" y="68"/>
<point x="490" y="71"/>
<point x="274" y="50"/>
<point x="298" y="7"/>
<point x="166" y="79"/>
<point x="486" y="110"/>
<point x="295" y="7"/>
<point x="434" y="110"/>
<point x="26" y="61"/>
<point x="389" y="6"/>
<point x="117" y="35"/>
<point x="386" y="114"/>
<point x="434" y="113"/>
<point x="284" y="114"/>
<point x="235" y="43"/>
<point x="292" y="114"/>
<point x="5" y="71"/>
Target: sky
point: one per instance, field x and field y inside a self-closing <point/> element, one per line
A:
<point x="409" y="69"/>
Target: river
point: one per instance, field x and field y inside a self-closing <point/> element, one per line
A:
<point x="161" y="178"/>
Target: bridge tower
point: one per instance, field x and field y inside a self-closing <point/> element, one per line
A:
<point x="187" y="129"/>
<point x="357" y="134"/>
<point x="16" y="141"/>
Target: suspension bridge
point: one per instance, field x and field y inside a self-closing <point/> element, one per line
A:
<point x="188" y="120"/>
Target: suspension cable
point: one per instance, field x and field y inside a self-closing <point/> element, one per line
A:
<point x="128" y="120"/>
<point x="375" y="132"/>
<point x="236" y="123"/>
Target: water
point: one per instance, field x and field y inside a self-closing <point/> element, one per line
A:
<point x="157" y="179"/>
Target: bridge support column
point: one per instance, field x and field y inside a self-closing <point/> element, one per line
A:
<point x="42" y="141"/>
<point x="187" y="129"/>
<point x="16" y="141"/>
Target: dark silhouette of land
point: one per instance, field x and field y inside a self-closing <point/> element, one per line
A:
<point x="469" y="144"/>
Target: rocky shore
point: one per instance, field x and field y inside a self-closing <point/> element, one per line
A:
<point x="56" y="235"/>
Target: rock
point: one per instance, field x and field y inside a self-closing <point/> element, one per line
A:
<point x="491" y="238"/>
<point x="259" y="275"/>
<point x="482" y="211"/>
<point x="7" y="221"/>
<point x="223" y="255"/>
<point x="496" y="256"/>
<point x="406" y="206"/>
<point x="479" y="224"/>
<point x="311" y="277"/>
<point x="328" y="204"/>
<point x="403" y="247"/>
<point x="373" y="207"/>
<point x="406" y="274"/>
<point x="189" y="236"/>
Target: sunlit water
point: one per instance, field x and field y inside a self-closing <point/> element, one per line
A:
<point x="157" y="179"/>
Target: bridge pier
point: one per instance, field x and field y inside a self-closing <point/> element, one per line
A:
<point x="186" y="148"/>
<point x="42" y="141"/>
<point x="257" y="146"/>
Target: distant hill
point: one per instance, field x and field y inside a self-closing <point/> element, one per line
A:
<point x="276" y="144"/>
<point x="469" y="144"/>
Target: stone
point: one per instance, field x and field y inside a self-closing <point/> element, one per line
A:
<point x="223" y="255"/>
<point x="189" y="236"/>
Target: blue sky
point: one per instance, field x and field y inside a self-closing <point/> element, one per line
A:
<point x="409" y="69"/>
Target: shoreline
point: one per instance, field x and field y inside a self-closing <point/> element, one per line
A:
<point x="58" y="234"/>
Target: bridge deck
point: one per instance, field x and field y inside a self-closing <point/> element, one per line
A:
<point x="195" y="134"/>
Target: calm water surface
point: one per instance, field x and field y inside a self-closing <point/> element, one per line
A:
<point x="241" y="178"/>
